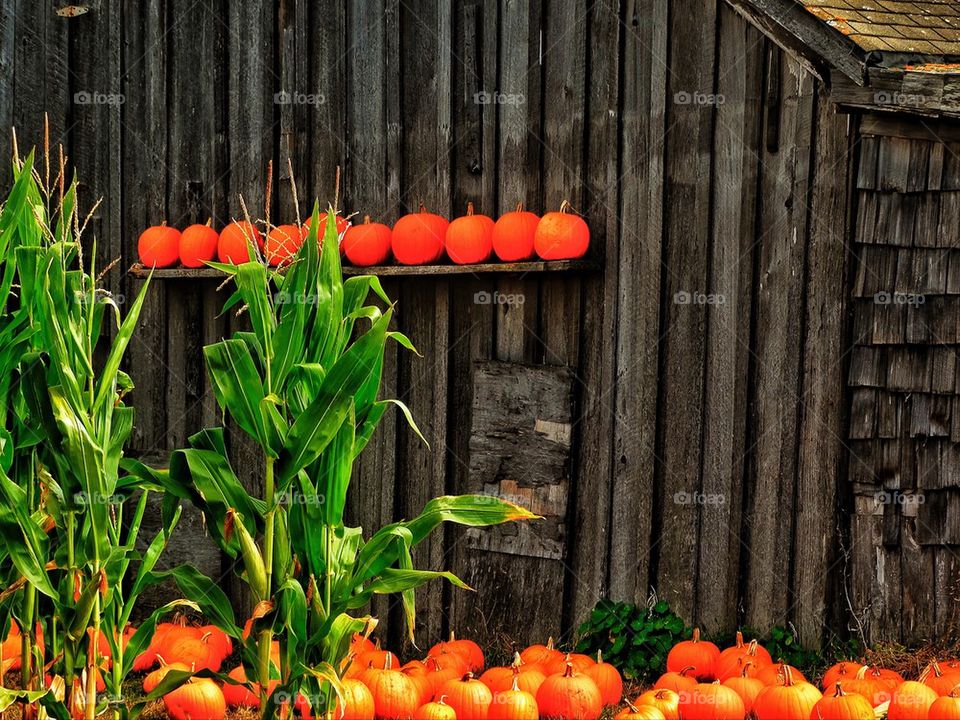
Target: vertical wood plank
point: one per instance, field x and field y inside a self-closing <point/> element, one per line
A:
<point x="781" y="237"/>
<point x="687" y="221"/>
<point x="642" y="188"/>
<point x="822" y="455"/>
<point x="736" y="167"/>
<point x="8" y="37"/>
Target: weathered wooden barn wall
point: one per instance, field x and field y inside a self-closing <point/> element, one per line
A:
<point x="688" y="396"/>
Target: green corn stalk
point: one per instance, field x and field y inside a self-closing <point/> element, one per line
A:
<point x="304" y="383"/>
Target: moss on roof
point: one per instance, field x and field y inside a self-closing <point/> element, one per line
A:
<point x="929" y="27"/>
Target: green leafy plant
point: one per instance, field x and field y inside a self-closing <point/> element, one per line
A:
<point x="634" y="639"/>
<point x="304" y="385"/>
<point x="69" y="532"/>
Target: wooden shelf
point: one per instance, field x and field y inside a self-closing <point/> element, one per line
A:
<point x="540" y="266"/>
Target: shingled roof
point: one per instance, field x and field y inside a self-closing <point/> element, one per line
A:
<point x="927" y="27"/>
<point x="856" y="36"/>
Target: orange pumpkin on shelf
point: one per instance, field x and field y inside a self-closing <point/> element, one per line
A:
<point x="197" y="698"/>
<point x="356" y="703"/>
<point x="701" y="655"/>
<point x="666" y="701"/>
<point x="469" y="239"/>
<point x="438" y="710"/>
<point x="342" y="225"/>
<point x="367" y="244"/>
<point x="418" y="238"/>
<point x="838" y="705"/>
<point x="282" y="244"/>
<point x="233" y="245"/>
<point x="198" y="245"/>
<point x="513" y="235"/>
<point x="159" y="246"/>
<point x="568" y="696"/>
<point x="562" y="235"/>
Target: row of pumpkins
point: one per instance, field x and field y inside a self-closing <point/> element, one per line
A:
<point x="419" y="238"/>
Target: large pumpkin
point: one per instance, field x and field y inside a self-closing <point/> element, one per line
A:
<point x="569" y="696"/>
<point x="680" y="681"/>
<point x="418" y="238"/>
<point x="528" y="678"/>
<point x="469" y="238"/>
<point x="233" y="245"/>
<point x="367" y="244"/>
<point x="468" y="650"/>
<point x="562" y="235"/>
<point x="946" y="707"/>
<point x="844" y="670"/>
<point x="746" y="686"/>
<point x="539" y="654"/>
<point x="732" y="664"/>
<point x="395" y="696"/>
<point x="513" y="235"/>
<point x="608" y="681"/>
<point x="911" y="701"/>
<point x="666" y="701"/>
<point x="701" y="655"/>
<point x="838" y="705"/>
<point x="712" y="701"/>
<point x="938" y="680"/>
<point x="159" y="246"/>
<point x="196" y="699"/>
<point x="357" y="702"/>
<point x="792" y="699"/>
<point x="198" y="244"/>
<point x="469" y="697"/>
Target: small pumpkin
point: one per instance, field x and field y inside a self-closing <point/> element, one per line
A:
<point x="639" y="712"/>
<point x="844" y="670"/>
<point x="774" y="674"/>
<point x="934" y="677"/>
<point x="558" y="664"/>
<point x="701" y="655"/>
<point x="443" y="668"/>
<point x="242" y="696"/>
<point x="562" y="235"/>
<point x="539" y="654"/>
<point x="608" y="680"/>
<point x="711" y="701"/>
<point x="159" y="246"/>
<point x="666" y="701"/>
<point x="282" y="244"/>
<point x="946" y="707"/>
<point x="839" y="705"/>
<point x="438" y="710"/>
<point x="514" y="703"/>
<point x="418" y="238"/>
<point x="198" y="244"/>
<point x="469" y="239"/>
<point x="395" y="695"/>
<point x="513" y="235"/>
<point x="756" y="651"/>
<point x="791" y="699"/>
<point x="529" y="678"/>
<point x="732" y="664"/>
<point x="342" y="225"/>
<point x="196" y="699"/>
<point x="680" y="682"/>
<point x="569" y="696"/>
<point x="746" y="686"/>
<point x="367" y="244"/>
<point x="153" y="678"/>
<point x="233" y="245"/>
<point x="911" y="701"/>
<point x="356" y="703"/>
<point x="468" y="650"/>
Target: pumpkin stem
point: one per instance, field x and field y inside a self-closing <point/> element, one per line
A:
<point x="452" y="636"/>
<point x="209" y="222"/>
<point x="599" y="657"/>
<point x="467" y="678"/>
<point x="569" y="671"/>
<point x="838" y="691"/>
<point x="515" y="687"/>
<point x="565" y="206"/>
<point x="787" y="675"/>
<point x="470" y="208"/>
<point x="683" y="672"/>
<point x="633" y="708"/>
<point x="388" y="661"/>
<point x="746" y="667"/>
<point x="550" y="643"/>
<point x="739" y="642"/>
<point x="441" y="700"/>
<point x="954" y="691"/>
<point x="517" y="661"/>
<point x="423" y="208"/>
<point x="366" y="219"/>
<point x="752" y="648"/>
<point x="519" y="207"/>
<point x="696" y="630"/>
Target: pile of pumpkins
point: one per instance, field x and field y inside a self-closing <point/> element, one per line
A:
<point x="420" y="238"/>
<point x="704" y="683"/>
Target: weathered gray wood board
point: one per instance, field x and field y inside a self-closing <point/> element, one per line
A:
<point x="735" y="395"/>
